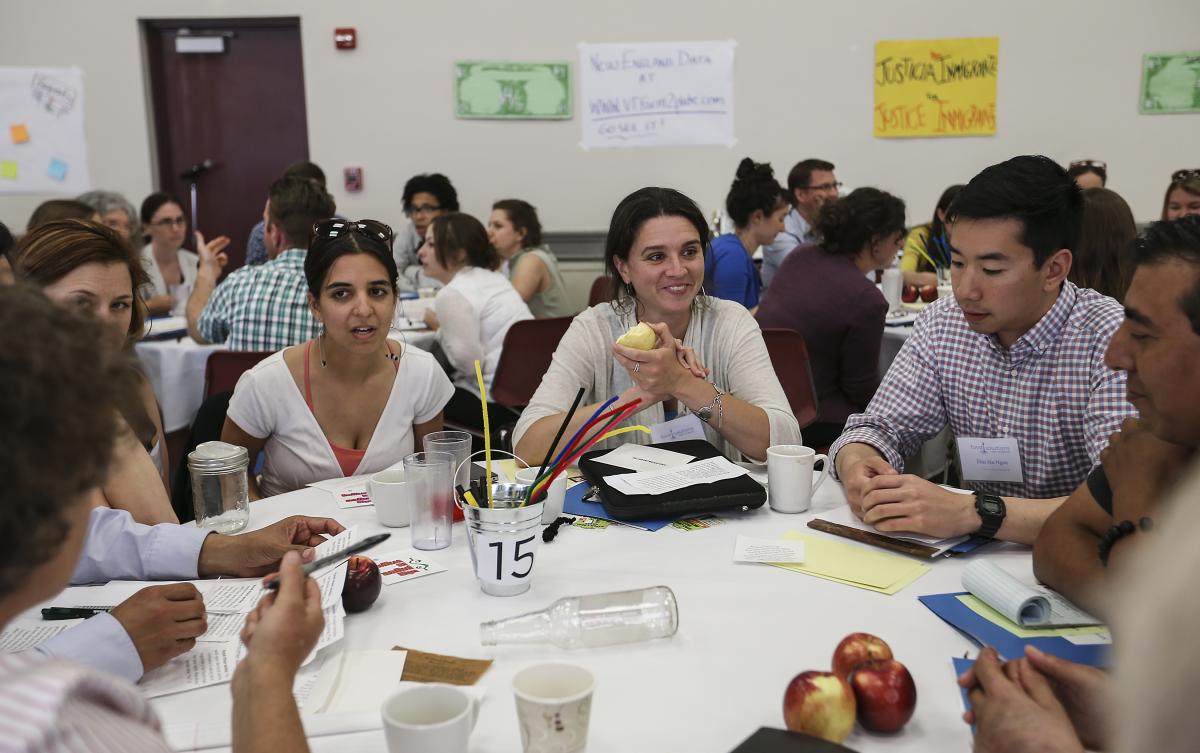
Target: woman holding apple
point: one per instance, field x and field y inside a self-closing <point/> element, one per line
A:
<point x="821" y="291"/>
<point x="708" y="358"/>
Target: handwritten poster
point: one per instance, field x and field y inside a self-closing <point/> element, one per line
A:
<point x="656" y="94"/>
<point x="42" y="147"/>
<point x="936" y="87"/>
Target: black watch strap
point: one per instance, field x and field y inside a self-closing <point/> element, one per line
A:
<point x="991" y="511"/>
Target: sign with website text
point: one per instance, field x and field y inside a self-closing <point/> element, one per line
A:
<point x="936" y="87"/>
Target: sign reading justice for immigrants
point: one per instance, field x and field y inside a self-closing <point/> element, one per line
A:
<point x="936" y="87"/>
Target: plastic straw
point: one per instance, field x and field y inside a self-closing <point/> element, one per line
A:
<point x="561" y="430"/>
<point x="487" y="431"/>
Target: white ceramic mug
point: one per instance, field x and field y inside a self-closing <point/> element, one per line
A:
<point x="554" y="704"/>
<point x="790" y="476"/>
<point x="389" y="493"/>
<point x="429" y="719"/>
<point x="552" y="506"/>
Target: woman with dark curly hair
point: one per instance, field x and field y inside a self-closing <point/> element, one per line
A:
<point x="822" y="292"/>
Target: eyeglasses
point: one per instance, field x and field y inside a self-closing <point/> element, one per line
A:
<point x="336" y="228"/>
<point x="170" y="221"/>
<point x="1180" y="176"/>
<point x="835" y="185"/>
<point x="1098" y="164"/>
<point x="424" y="209"/>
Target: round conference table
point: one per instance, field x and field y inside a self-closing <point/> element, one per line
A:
<point x="744" y="631"/>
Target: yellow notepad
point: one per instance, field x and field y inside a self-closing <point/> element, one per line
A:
<point x="855" y="565"/>
<point x="983" y="610"/>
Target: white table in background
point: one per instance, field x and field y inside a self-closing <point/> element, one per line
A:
<point x="744" y="632"/>
<point x="175" y="369"/>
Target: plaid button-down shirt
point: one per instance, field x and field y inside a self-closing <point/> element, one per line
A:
<point x="1050" y="390"/>
<point x="264" y="307"/>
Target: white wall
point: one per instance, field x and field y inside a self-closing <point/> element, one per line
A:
<point x="1069" y="76"/>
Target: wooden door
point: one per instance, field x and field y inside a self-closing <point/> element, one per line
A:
<point x="242" y="108"/>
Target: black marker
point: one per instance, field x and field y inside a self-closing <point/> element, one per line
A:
<point x="72" y="613"/>
<point x="317" y="564"/>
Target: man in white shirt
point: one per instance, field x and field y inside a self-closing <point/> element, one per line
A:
<point x="811" y="183"/>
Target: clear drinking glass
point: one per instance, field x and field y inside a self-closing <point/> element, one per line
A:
<point x="458" y="444"/>
<point x="431" y="494"/>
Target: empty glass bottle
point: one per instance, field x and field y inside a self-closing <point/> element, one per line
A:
<point x="591" y="621"/>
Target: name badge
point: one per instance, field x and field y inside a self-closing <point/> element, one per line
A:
<point x="990" y="459"/>
<point x="686" y="426"/>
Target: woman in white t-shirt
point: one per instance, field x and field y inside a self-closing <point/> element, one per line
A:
<point x="472" y="312"/>
<point x="169" y="265"/>
<point x="351" y="401"/>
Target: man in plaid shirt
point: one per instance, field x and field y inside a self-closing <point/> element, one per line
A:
<point x="263" y="307"/>
<point x="1016" y="357"/>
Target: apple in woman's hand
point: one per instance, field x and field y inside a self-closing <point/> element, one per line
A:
<point x="363" y="583"/>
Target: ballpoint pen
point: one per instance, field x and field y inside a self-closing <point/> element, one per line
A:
<point x="355" y="548"/>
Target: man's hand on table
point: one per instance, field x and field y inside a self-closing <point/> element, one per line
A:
<point x="857" y="465"/>
<point x="162" y="621"/>
<point x="1017" y="708"/>
<point x="250" y="555"/>
<point x="903" y="502"/>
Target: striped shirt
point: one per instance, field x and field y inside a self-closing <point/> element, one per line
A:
<point x="1050" y="390"/>
<point x="47" y="705"/>
<point x="263" y="307"/>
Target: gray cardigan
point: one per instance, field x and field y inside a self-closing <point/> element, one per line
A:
<point x="726" y="339"/>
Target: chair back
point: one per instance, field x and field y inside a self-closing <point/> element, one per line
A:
<point x="789" y="356"/>
<point x="225" y="367"/>
<point x="599" y="292"/>
<point x="525" y="358"/>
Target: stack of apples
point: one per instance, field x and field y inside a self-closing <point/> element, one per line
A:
<point x="865" y="682"/>
<point x="912" y="293"/>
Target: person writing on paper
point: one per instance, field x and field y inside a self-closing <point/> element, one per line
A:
<point x="756" y="203"/>
<point x="64" y="424"/>
<point x="822" y="291"/>
<point x="1158" y="347"/>
<point x="1014" y="364"/>
<point x="516" y="234"/>
<point x="86" y="266"/>
<point x="708" y="358"/>
<point x="472" y="312"/>
<point x="351" y="401"/>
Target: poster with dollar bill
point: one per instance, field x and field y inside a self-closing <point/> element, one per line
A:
<point x="512" y="90"/>
<point x="1170" y="83"/>
<point x="42" y="146"/>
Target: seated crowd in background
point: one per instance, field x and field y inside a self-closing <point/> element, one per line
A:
<point x="515" y="232"/>
<point x="757" y="204"/>
<point x="810" y="184"/>
<point x="926" y="249"/>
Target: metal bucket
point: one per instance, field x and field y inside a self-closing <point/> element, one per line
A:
<point x="503" y="540"/>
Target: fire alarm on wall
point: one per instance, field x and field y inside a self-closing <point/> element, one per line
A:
<point x="345" y="38"/>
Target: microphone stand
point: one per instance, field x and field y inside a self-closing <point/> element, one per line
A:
<point x="193" y="174"/>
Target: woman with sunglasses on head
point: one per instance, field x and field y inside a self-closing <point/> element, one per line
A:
<point x="168" y="264"/>
<point x="351" y="401"/>
<point x="1088" y="173"/>
<point x="516" y="234"/>
<point x="708" y="357"/>
<point x="86" y="266"/>
<point x="1183" y="195"/>
<point x="472" y="312"/>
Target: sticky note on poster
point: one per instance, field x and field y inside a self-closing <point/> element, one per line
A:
<point x="8" y="169"/>
<point x="19" y="133"/>
<point x="936" y="87"/>
<point x="57" y="169"/>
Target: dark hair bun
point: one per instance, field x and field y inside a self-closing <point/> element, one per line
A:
<point x="749" y="170"/>
<point x="754" y="189"/>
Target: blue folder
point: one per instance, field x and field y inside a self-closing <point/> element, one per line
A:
<point x="574" y="504"/>
<point x="1008" y="645"/>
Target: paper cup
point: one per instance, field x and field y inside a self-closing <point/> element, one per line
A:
<point x="554" y="705"/>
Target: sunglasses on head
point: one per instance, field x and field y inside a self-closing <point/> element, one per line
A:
<point x="1098" y="164"/>
<point x="336" y="228"/>
<point x="1180" y="176"/>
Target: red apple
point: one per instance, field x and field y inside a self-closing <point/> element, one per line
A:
<point x="910" y="294"/>
<point x="363" y="583"/>
<point x="820" y="704"/>
<point x="857" y="648"/>
<point x="885" y="694"/>
<point x="929" y="293"/>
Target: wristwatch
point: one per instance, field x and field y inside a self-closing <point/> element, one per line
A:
<point x="992" y="510"/>
<point x="705" y="413"/>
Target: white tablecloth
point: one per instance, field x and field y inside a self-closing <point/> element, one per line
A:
<point x="175" y="369"/>
<point x="745" y="630"/>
